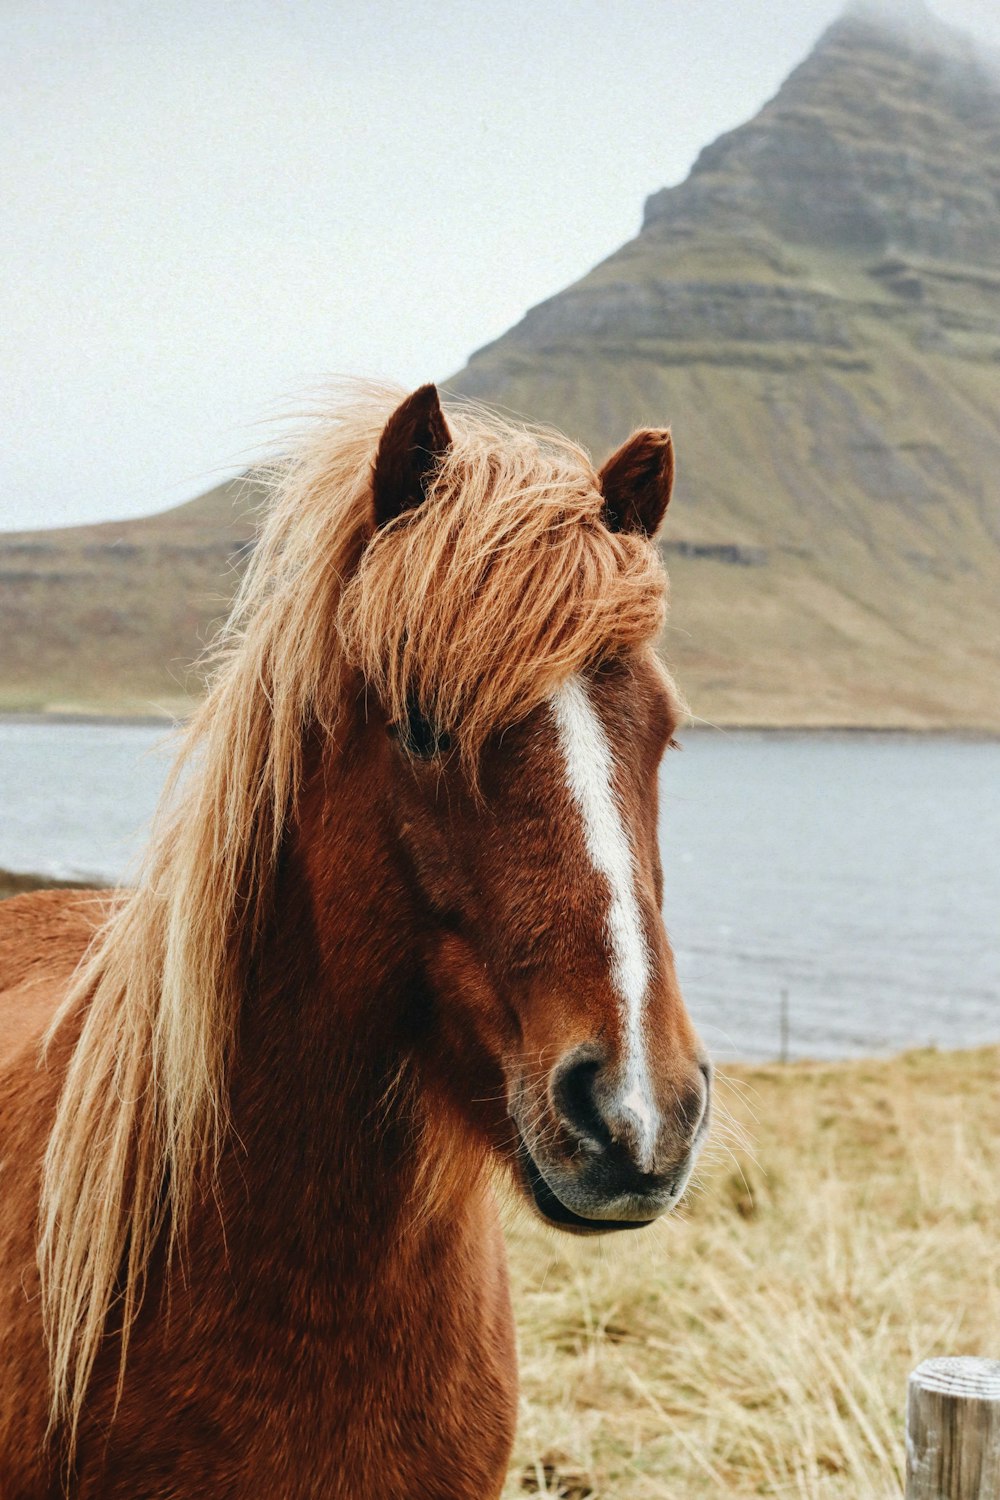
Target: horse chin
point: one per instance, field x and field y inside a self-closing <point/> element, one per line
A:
<point x="554" y="1211"/>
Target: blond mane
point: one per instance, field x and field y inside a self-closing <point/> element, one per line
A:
<point x="475" y="606"/>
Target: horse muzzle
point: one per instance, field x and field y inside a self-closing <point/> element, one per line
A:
<point x="605" y="1161"/>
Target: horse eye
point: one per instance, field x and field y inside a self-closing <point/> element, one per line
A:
<point x="419" y="737"/>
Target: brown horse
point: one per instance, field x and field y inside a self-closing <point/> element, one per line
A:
<point x="399" y="923"/>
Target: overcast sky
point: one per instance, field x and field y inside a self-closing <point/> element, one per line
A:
<point x="209" y="206"/>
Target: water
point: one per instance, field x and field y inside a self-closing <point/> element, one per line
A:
<point x="858" y="873"/>
<point x="76" y="799"/>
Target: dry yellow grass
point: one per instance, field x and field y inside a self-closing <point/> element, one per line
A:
<point x="844" y="1227"/>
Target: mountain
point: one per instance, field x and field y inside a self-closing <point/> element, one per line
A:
<point x="816" y="310"/>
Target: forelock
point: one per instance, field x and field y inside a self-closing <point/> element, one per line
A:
<point x="500" y="585"/>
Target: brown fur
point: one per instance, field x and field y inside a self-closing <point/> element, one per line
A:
<point x="270" y="1257"/>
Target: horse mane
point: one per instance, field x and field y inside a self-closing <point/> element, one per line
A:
<point x="475" y="605"/>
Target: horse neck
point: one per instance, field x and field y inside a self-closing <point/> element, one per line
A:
<point x="327" y="1095"/>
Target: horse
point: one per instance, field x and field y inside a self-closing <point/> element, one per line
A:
<point x="396" y="941"/>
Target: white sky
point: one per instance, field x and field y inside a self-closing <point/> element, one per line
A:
<point x="207" y="207"/>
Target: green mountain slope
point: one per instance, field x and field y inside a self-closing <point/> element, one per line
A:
<point x="816" y="310"/>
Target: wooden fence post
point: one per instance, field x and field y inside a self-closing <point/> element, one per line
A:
<point x="953" y="1430"/>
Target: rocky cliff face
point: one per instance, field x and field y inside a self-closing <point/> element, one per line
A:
<point x="817" y="312"/>
<point x="879" y="155"/>
<point x="885" y="141"/>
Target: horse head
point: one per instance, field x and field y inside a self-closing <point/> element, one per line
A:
<point x="522" y="716"/>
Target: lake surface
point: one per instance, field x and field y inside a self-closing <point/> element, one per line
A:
<point x="859" y="874"/>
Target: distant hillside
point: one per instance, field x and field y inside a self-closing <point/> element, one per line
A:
<point x="109" y="618"/>
<point x="816" y="310"/>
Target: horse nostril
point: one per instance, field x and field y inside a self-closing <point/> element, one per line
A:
<point x="574" y="1093"/>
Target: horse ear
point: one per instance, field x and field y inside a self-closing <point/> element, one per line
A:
<point x="636" y="482"/>
<point x="413" y="440"/>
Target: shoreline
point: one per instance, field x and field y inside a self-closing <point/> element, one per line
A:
<point x="170" y="721"/>
<point x="64" y="716"/>
<point x="23" y="882"/>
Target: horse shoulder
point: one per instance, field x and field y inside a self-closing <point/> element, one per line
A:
<point x="43" y="936"/>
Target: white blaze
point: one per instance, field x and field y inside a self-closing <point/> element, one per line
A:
<point x="590" y="776"/>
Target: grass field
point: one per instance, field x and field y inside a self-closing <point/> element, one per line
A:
<point x="843" y="1228"/>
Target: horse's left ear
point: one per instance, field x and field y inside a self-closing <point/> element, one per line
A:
<point x="636" y="482"/>
<point x="413" y="441"/>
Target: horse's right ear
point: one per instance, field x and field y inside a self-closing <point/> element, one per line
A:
<point x="413" y="442"/>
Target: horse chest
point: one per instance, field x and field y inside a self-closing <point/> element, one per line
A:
<point x="401" y="1386"/>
